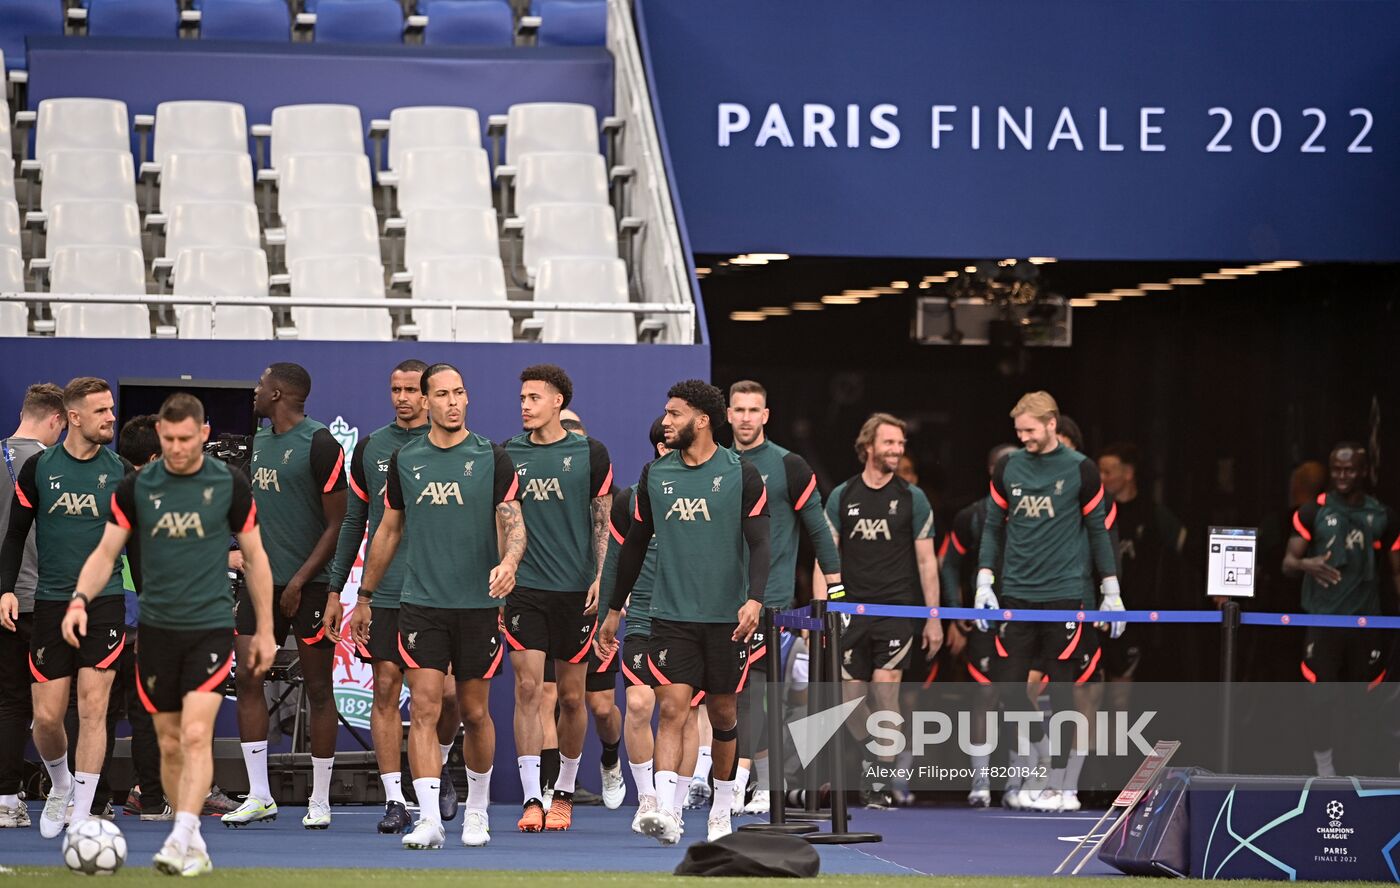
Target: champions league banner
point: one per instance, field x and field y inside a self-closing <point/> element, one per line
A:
<point x="1083" y="129"/>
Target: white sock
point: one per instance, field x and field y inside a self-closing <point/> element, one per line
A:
<point x="980" y="763"/>
<point x="60" y="775"/>
<point x="446" y="752"/>
<point x="568" y="773"/>
<point x="642" y="776"/>
<point x="255" y="760"/>
<point x="1325" y="767"/>
<point x="393" y="787"/>
<point x="703" y="764"/>
<point x="1040" y="752"/>
<point x="724" y="797"/>
<point x="741" y="781"/>
<point x="185" y="825"/>
<point x="11" y="801"/>
<point x="427" y="790"/>
<point x="682" y="790"/>
<point x="84" y="791"/>
<point x="1073" y="769"/>
<point x="760" y="773"/>
<point x="1057" y="779"/>
<point x="666" y="790"/>
<point x="478" y="790"/>
<point x="197" y="839"/>
<point x="320" y="779"/>
<point x="1015" y="765"/>
<point x="530" y="776"/>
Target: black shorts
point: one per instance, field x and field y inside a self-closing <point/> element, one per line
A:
<point x="383" y="637"/>
<point x="306" y="623"/>
<point x="1343" y="655"/>
<point x="602" y="675"/>
<point x="701" y="655"/>
<point x="633" y="656"/>
<point x="553" y="622"/>
<point x="1067" y="652"/>
<point x="51" y="657"/>
<point x="1121" y="655"/>
<point x="920" y="669"/>
<point x="870" y="643"/>
<point x="465" y="640"/>
<point x="981" y="655"/>
<point x="171" y="663"/>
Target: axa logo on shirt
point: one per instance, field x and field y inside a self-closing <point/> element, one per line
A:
<point x="75" y="504"/>
<point x="688" y="509"/>
<point x="543" y="488"/>
<point x="870" y="529"/>
<point x="266" y="479"/>
<point x="1355" y="539"/>
<point x="1035" y="507"/>
<point x="439" y="492"/>
<point x="178" y="525"/>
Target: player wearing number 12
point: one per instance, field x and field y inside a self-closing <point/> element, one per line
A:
<point x="450" y="493"/>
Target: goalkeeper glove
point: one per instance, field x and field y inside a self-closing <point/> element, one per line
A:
<point x="985" y="597"/>
<point x="1112" y="601"/>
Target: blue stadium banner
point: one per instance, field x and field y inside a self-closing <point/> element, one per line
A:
<point x="1090" y="129"/>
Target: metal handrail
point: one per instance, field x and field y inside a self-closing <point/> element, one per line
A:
<point x="634" y="308"/>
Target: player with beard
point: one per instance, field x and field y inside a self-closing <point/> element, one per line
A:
<point x="379" y="615"/>
<point x="1044" y="498"/>
<point x="884" y="527"/>
<point x="299" y="485"/>
<point x="451" y="495"/>
<point x="708" y="509"/>
<point x="65" y="494"/>
<point x="794" y="504"/>
<point x="1335" y="545"/>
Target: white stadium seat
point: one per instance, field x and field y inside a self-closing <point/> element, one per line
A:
<point x="343" y="324"/>
<point x="108" y="270"/>
<point x="199" y="127"/>
<point x="80" y="125"/>
<point x="225" y="274"/>
<point x="431" y="127"/>
<point x="205" y="178"/>
<point x="231" y="225"/>
<point x="479" y="278"/>
<point x="444" y="177"/>
<point x="442" y="232"/>
<point x="568" y="230"/>
<point x="577" y="279"/>
<point x="7" y="170"/>
<point x="323" y="180"/>
<point x="555" y="177"/>
<point x="6" y="142"/>
<point x="550" y="126"/>
<point x="92" y="223"/>
<point x="87" y="175"/>
<point x="337" y="277"/>
<point x="14" y="316"/>
<point x="331" y="231"/>
<point x="9" y="225"/>
<point x="315" y="129"/>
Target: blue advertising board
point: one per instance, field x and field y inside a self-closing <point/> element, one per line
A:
<point x="1089" y="129"/>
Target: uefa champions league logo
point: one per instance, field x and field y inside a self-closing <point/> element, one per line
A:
<point x="1335" y="812"/>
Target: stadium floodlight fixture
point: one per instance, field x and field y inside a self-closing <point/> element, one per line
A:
<point x="1186" y="282"/>
<point x="769" y="257"/>
<point x="776" y="311"/>
<point x="806" y="306"/>
<point x="1239" y="272"/>
<point x="1042" y="260"/>
<point x="1154" y="288"/>
<point x="1129" y="291"/>
<point x="1217" y="276"/>
<point x="840" y="299"/>
<point x="747" y="316"/>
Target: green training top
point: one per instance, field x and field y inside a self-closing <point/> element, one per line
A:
<point x="183" y="523"/>
<point x="558" y="483"/>
<point x="1355" y="535"/>
<point x="369" y="478"/>
<point x="639" y="604"/>
<point x="290" y="473"/>
<point x="792" y="498"/>
<point x="449" y="498"/>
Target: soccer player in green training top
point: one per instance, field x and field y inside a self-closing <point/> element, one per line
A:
<point x="183" y="509"/>
<point x="1334" y="545"/>
<point x="450" y="493"/>
<point x="299" y="485"/>
<point x="885" y="528"/>
<point x="379" y="616"/>
<point x="793" y="498"/>
<point x="65" y="493"/>
<point x="641" y="698"/>
<point x="565" y="492"/>
<point x="1043" y="498"/>
<point x="708" y="510"/>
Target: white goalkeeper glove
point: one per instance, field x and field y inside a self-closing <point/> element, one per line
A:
<point x="985" y="597"/>
<point x="1112" y="601"/>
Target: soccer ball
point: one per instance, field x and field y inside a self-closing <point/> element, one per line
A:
<point x="1335" y="810"/>
<point x="94" y="847"/>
